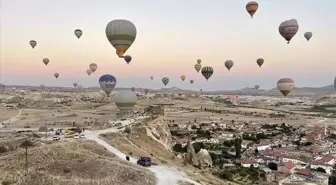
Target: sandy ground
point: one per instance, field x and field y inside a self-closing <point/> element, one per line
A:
<point x="6" y="114"/>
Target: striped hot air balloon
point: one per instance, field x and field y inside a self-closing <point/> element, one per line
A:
<point x="198" y="67"/>
<point x="285" y="85"/>
<point x="207" y="72"/>
<point x="125" y="100"/>
<point x="252" y="7"/>
<point x="165" y="80"/>
<point x="121" y="34"/>
<point x="288" y="29"/>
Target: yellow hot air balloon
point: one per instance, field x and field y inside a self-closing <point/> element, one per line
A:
<point x="183" y="77"/>
<point x="252" y="7"/>
<point x="198" y="67"/>
<point x="121" y="34"/>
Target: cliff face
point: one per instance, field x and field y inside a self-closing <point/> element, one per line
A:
<point x="158" y="130"/>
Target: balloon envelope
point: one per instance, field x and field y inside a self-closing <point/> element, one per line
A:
<point x="260" y="62"/>
<point x="191" y="81"/>
<point x="165" y="80"/>
<point x="93" y="67"/>
<point x="257" y="87"/>
<point x="151" y="77"/>
<point x="127" y="59"/>
<point x="207" y="72"/>
<point x="199" y="61"/>
<point x="78" y="33"/>
<point x="45" y="61"/>
<point x="32" y="43"/>
<point x="75" y="84"/>
<point x="288" y="29"/>
<point x="88" y="71"/>
<point x="107" y="83"/>
<point x="125" y="100"/>
<point x="183" y="77"/>
<point x="198" y="67"/>
<point x="285" y="85"/>
<point x="308" y="35"/>
<point x="56" y="75"/>
<point x="121" y="34"/>
<point x="228" y="64"/>
<point x="251" y="8"/>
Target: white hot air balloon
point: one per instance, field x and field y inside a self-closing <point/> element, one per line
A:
<point x="288" y="29"/>
<point x="125" y="100"/>
<point x="121" y="34"/>
<point x="285" y="85"/>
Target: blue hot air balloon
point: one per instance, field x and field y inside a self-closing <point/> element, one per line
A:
<point x="107" y="83"/>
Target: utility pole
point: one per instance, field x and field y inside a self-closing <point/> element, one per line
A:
<point x="26" y="145"/>
<point x="46" y="132"/>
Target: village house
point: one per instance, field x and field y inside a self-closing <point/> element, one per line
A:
<point x="248" y="162"/>
<point x="287" y="168"/>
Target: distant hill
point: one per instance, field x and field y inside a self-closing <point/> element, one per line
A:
<point x="297" y="91"/>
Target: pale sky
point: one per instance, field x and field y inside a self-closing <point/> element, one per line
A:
<point x="171" y="36"/>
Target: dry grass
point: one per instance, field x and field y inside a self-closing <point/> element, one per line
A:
<point x="75" y="163"/>
<point x="146" y="145"/>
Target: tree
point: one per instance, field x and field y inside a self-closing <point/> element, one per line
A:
<point x="319" y="169"/>
<point x="238" y="142"/>
<point x="273" y="166"/>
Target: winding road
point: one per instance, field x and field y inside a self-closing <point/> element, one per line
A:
<point x="13" y="118"/>
<point x="165" y="175"/>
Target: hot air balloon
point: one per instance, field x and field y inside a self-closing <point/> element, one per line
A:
<point x="199" y="61"/>
<point x="165" y="80"/>
<point x="260" y="62"/>
<point x="32" y="43"/>
<point x="207" y="72"/>
<point x="308" y="35"/>
<point x="121" y="34"/>
<point x="45" y="61"/>
<point x="183" y="77"/>
<point x="285" y="85"/>
<point x="146" y="91"/>
<point x="228" y="64"/>
<point x="252" y="7"/>
<point x="78" y="33"/>
<point x="127" y="59"/>
<point x="191" y="81"/>
<point x="79" y="86"/>
<point x="42" y="86"/>
<point x="93" y="67"/>
<point x="107" y="83"/>
<point x="125" y="100"/>
<point x="257" y="87"/>
<point x="56" y="75"/>
<point x="288" y="29"/>
<point x="198" y="67"/>
<point x="75" y="84"/>
<point x="151" y="77"/>
<point x="133" y="89"/>
<point x="88" y="71"/>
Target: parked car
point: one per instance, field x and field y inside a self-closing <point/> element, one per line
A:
<point x="144" y="161"/>
<point x="82" y="136"/>
<point x="76" y="136"/>
<point x="56" y="138"/>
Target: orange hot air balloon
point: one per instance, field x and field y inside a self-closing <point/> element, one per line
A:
<point x="252" y="7"/>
